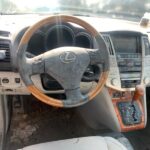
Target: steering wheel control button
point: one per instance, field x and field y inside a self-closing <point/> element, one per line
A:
<point x="17" y="80"/>
<point x="5" y="80"/>
<point x="68" y="57"/>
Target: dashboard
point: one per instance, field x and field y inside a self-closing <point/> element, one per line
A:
<point x="128" y="47"/>
<point x="129" y="56"/>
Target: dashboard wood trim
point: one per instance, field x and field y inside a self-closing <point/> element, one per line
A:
<point x="125" y="128"/>
<point x="118" y="88"/>
<point x="127" y="98"/>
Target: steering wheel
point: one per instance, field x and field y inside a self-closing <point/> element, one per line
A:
<point x="66" y="64"/>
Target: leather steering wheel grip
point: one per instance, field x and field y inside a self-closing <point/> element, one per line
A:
<point x="25" y="71"/>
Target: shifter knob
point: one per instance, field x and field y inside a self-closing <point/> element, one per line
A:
<point x="139" y="92"/>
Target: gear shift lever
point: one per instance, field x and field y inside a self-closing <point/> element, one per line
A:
<point x="139" y="92"/>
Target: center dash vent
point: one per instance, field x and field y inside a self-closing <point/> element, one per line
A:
<point x="5" y="64"/>
<point x="109" y="44"/>
<point x="4" y="33"/>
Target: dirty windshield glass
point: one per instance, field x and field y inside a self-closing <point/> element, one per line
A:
<point x="115" y="8"/>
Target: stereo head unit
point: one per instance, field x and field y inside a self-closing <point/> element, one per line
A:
<point x="129" y="58"/>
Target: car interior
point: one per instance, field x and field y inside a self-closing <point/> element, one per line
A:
<point x="72" y="79"/>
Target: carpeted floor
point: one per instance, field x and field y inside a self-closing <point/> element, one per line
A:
<point x="50" y="124"/>
<point x="47" y="124"/>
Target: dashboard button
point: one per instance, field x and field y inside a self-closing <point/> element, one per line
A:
<point x="138" y="63"/>
<point x="5" y="80"/>
<point x="17" y="80"/>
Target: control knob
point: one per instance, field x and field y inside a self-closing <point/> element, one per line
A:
<point x="146" y="80"/>
<point x="114" y="82"/>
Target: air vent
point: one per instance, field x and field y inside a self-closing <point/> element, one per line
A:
<point x="4" y="33"/>
<point x="5" y="64"/>
<point x="109" y="44"/>
<point x="146" y="45"/>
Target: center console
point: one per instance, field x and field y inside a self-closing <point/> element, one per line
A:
<point x="120" y="106"/>
<point x="130" y="51"/>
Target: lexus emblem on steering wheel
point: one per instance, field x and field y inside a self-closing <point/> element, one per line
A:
<point x="68" y="57"/>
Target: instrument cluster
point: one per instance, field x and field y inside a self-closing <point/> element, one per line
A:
<point x="60" y="35"/>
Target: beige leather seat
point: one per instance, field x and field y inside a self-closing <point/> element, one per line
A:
<point x="84" y="143"/>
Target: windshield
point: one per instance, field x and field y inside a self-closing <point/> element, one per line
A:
<point x="115" y="8"/>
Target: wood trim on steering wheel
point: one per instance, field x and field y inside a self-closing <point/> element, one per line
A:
<point x="58" y="103"/>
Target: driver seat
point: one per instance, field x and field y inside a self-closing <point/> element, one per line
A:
<point x="84" y="143"/>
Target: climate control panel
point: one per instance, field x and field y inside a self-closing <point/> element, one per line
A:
<point x="130" y="68"/>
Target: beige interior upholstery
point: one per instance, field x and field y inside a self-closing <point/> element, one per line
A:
<point x="84" y="143"/>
